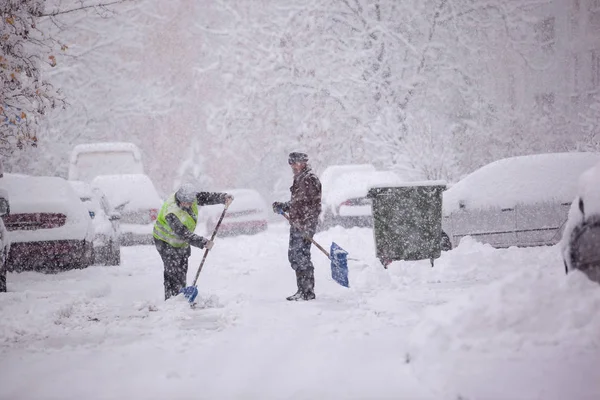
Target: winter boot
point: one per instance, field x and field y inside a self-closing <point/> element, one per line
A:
<point x="309" y="296"/>
<point x="295" y="297"/>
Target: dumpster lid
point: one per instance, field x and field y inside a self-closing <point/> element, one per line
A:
<point x="410" y="184"/>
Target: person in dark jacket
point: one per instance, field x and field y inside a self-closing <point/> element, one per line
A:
<point x="304" y="208"/>
<point x="174" y="233"/>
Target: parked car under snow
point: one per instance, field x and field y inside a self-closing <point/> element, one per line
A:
<point x="517" y="201"/>
<point x="247" y="214"/>
<point x="345" y="201"/>
<point x="49" y="228"/>
<point x="107" y="237"/>
<point x="580" y="242"/>
<point x="134" y="197"/>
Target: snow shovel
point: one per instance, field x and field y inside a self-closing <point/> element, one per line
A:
<point x="191" y="292"/>
<point x="338" y="257"/>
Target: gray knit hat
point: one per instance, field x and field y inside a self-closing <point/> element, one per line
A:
<point x="186" y="193"/>
<point x="296" y="157"/>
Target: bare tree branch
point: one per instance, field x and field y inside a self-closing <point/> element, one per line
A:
<point x="60" y="12"/>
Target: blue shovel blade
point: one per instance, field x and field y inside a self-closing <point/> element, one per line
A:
<point x="339" y="265"/>
<point x="190" y="293"/>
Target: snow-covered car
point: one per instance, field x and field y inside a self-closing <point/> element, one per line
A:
<point x="135" y="198"/>
<point x="345" y="199"/>
<point x="247" y="214"/>
<point x="49" y="227"/>
<point x="92" y="159"/>
<point x="4" y="238"/>
<point x="518" y="201"/>
<point x="107" y="238"/>
<point x="580" y="243"/>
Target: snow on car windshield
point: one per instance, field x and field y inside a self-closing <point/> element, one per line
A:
<point x="527" y="179"/>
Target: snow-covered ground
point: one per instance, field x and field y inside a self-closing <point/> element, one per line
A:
<point x="482" y="324"/>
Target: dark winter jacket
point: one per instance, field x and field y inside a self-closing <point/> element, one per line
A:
<point x="304" y="206"/>
<point x="204" y="199"/>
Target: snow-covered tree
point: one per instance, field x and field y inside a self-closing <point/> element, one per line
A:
<point x="25" y="96"/>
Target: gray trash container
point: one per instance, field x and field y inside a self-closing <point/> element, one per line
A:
<point x="407" y="221"/>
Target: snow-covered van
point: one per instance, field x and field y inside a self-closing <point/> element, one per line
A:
<point x="49" y="227"/>
<point x="90" y="160"/>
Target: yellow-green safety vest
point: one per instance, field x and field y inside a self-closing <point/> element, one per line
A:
<point x="163" y="231"/>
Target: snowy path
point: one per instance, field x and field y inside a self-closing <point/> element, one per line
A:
<point x="91" y="333"/>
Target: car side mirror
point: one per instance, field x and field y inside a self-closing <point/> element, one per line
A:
<point x="115" y="216"/>
<point x="4" y="207"/>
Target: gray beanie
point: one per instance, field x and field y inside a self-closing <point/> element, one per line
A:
<point x="296" y="157"/>
<point x="186" y="193"/>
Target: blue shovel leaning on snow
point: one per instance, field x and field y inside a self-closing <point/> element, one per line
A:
<point x="338" y="257"/>
<point x="191" y="292"/>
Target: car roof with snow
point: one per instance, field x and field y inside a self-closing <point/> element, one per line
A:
<point x="244" y="199"/>
<point x="30" y="194"/>
<point x="83" y="189"/>
<point x="128" y="191"/>
<point x="525" y="179"/>
<point x="356" y="184"/>
<point x="331" y="173"/>
<point x="105" y="148"/>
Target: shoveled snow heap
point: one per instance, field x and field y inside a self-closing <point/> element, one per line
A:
<point x="534" y="334"/>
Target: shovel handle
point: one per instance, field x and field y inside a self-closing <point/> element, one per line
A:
<point x="211" y="239"/>
<point x="309" y="238"/>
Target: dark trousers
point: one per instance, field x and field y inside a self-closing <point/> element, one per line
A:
<point x="299" y="257"/>
<point x="175" y="260"/>
<point x="2" y="279"/>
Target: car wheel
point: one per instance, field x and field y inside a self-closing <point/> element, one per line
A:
<point x="115" y="255"/>
<point x="87" y="257"/>
<point x="446" y="244"/>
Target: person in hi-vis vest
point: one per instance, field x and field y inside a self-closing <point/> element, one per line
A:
<point x="174" y="232"/>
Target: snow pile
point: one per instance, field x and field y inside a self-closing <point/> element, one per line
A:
<point x="529" y="179"/>
<point x="532" y="334"/>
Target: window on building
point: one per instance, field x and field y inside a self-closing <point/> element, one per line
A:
<point x="595" y="68"/>
<point x="594" y="16"/>
<point x="544" y="103"/>
<point x="576" y="72"/>
<point x="545" y="33"/>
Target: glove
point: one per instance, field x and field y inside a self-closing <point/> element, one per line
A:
<point x="278" y="207"/>
<point x="208" y="244"/>
<point x="228" y="200"/>
<point x="200" y="242"/>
